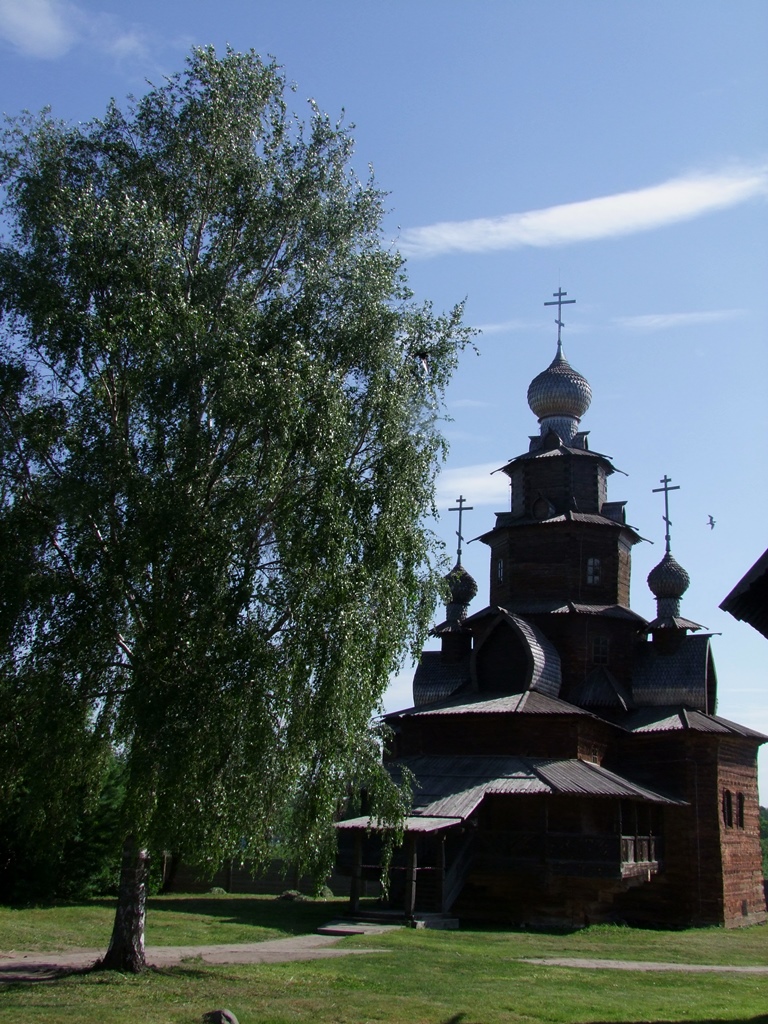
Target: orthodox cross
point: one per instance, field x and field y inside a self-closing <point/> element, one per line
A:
<point x="461" y="508"/>
<point x="560" y="302"/>
<point x="666" y="480"/>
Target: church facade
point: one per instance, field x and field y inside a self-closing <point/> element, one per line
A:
<point x="569" y="765"/>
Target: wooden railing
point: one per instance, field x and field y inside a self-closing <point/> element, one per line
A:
<point x="638" y="849"/>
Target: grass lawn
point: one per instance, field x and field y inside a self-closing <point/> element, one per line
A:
<point x="171" y="921"/>
<point x="466" y="977"/>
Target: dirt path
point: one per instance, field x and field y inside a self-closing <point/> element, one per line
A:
<point x="638" y="965"/>
<point x="16" y="966"/>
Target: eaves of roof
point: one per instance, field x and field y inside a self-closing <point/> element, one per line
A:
<point x="611" y="611"/>
<point x="413" y="823"/>
<point x="682" y="719"/>
<point x="449" y="626"/>
<point x="673" y="622"/>
<point x="506" y="520"/>
<point x="531" y="702"/>
<point x="748" y="600"/>
<point x="449" y="789"/>
<point x="562" y="451"/>
<point x="751" y="576"/>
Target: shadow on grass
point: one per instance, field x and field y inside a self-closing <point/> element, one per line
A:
<point x="760" y="1019"/>
<point x="14" y="976"/>
<point x="293" y="917"/>
<point x="460" y="1018"/>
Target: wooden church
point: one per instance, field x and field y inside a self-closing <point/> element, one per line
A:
<point x="568" y="760"/>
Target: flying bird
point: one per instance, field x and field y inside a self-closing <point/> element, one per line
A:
<point x="711" y="523"/>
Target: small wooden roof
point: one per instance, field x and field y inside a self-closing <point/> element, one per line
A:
<point x="748" y="600"/>
<point x="450" y="788"/>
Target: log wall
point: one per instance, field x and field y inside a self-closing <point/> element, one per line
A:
<point x="549" y="562"/>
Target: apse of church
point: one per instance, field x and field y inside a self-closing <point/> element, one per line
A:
<point x="569" y="761"/>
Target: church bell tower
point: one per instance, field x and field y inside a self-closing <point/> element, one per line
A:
<point x="561" y="555"/>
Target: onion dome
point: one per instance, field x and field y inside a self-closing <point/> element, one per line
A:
<point x="559" y="396"/>
<point x="668" y="578"/>
<point x="463" y="588"/>
<point x="668" y="581"/>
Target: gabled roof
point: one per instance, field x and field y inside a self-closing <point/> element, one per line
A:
<point x="436" y="678"/>
<point x="601" y="689"/>
<point x="684" y="676"/>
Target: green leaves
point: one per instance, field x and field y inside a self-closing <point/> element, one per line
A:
<point x="219" y="414"/>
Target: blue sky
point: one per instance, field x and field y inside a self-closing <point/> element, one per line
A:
<point x="618" y="150"/>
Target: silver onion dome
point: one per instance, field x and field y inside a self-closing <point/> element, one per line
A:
<point x="559" y="391"/>
<point x="668" y="578"/>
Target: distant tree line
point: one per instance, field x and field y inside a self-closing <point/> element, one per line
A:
<point x="74" y="862"/>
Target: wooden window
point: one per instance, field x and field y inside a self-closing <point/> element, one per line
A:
<point x="593" y="571"/>
<point x="728" y="808"/>
<point x="740" y="810"/>
<point x="542" y="508"/>
<point x="500" y="570"/>
<point x="600" y="650"/>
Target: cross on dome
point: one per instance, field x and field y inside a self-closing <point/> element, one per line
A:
<point x="559" y="396"/>
<point x="560" y="302"/>
<point x="665" y="482"/>
<point x="668" y="580"/>
<point x="460" y="508"/>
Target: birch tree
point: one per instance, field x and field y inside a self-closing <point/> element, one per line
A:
<point x="219" y="429"/>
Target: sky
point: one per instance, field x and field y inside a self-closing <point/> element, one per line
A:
<point x="617" y="150"/>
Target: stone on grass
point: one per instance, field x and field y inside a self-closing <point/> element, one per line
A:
<point x="219" y="1017"/>
<point x="294" y="894"/>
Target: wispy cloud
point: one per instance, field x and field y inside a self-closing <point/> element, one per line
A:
<point x="678" y="199"/>
<point x="479" y="484"/>
<point x="38" y="28"/>
<point x="469" y="403"/>
<point x="508" y="326"/>
<point x="526" y="326"/>
<point x="48" y="29"/>
<point x="667" y="321"/>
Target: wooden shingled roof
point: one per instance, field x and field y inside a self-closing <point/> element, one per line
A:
<point x="680" y="719"/>
<point x="449" y="789"/>
<point x="748" y="600"/>
<point x="529" y="702"/>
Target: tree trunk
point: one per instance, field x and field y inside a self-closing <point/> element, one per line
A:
<point x="171" y="863"/>
<point x="126" y="947"/>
